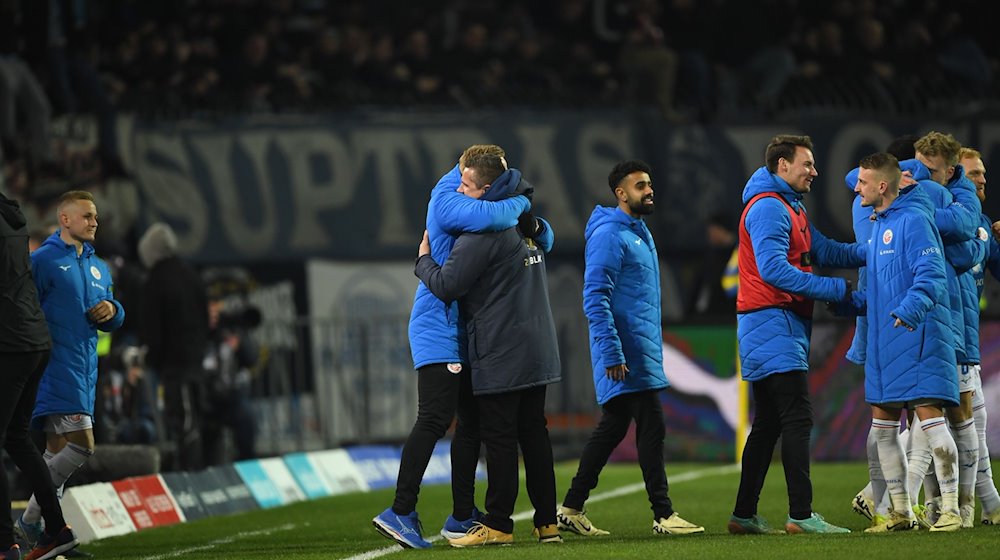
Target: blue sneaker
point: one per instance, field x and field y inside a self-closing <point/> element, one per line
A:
<point x="814" y="524"/>
<point x="404" y="529"/>
<point x="27" y="532"/>
<point x="454" y="529"/>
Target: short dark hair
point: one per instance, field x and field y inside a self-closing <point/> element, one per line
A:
<point x="886" y="164"/>
<point x="624" y="169"/>
<point x="902" y="147"/>
<point x="783" y="146"/>
<point x="488" y="166"/>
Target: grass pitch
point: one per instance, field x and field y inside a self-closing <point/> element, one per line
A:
<point x="340" y="527"/>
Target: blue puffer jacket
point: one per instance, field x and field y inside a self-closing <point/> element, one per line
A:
<point x="68" y="285"/>
<point x="775" y="340"/>
<point x="957" y="232"/>
<point x="621" y="298"/>
<point x="862" y="233"/>
<point x="906" y="280"/>
<point x="992" y="260"/>
<point x="434" y="331"/>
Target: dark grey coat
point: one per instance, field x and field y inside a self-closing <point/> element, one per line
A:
<point x="499" y="281"/>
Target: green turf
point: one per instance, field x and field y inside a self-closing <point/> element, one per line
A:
<point x="340" y="527"/>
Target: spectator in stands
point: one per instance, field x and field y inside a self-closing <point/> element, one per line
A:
<point x="232" y="360"/>
<point x="649" y="65"/>
<point x="24" y="352"/>
<point x="70" y="277"/>
<point x="175" y="332"/>
<point x="60" y="35"/>
<point x="129" y="403"/>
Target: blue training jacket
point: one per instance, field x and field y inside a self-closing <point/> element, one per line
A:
<point x="434" y="331"/>
<point x="621" y="299"/>
<point x="68" y="285"/>
<point x="907" y="280"/>
<point x="862" y="217"/>
<point x="775" y="340"/>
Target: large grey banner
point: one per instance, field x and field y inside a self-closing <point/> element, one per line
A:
<point x="350" y="187"/>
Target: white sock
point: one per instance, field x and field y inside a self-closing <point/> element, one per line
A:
<point x="967" y="443"/>
<point x="945" y="461"/>
<point x="918" y="462"/>
<point x="893" y="462"/>
<point x="985" y="488"/>
<point x="875" y="490"/>
<point x="62" y="465"/>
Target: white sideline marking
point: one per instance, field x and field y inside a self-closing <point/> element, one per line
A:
<point x="617" y="492"/>
<point x="212" y="544"/>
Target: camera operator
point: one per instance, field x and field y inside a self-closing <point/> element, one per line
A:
<point x="232" y="358"/>
<point x="127" y="409"/>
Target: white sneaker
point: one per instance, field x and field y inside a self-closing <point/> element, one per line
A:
<point x="575" y="521"/>
<point x="948" y="521"/>
<point x="863" y="505"/>
<point x="968" y="514"/>
<point x="991" y="518"/>
<point x="675" y="525"/>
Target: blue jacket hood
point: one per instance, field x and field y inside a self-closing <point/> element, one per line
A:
<point x="603" y="215"/>
<point x="917" y="169"/>
<point x="509" y="184"/>
<point x="763" y="181"/>
<point x="56" y="242"/>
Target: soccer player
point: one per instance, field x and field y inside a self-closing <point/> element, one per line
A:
<point x="621" y="298"/>
<point x="77" y="297"/>
<point x="909" y="339"/>
<point x="975" y="170"/>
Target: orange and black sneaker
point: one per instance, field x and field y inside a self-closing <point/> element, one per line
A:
<point x="50" y="546"/>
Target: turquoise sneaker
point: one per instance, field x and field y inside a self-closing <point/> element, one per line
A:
<point x="815" y="524"/>
<point x="755" y="525"/>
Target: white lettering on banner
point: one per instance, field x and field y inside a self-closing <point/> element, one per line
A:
<point x="249" y="235"/>
<point x="277" y="307"/>
<point x="540" y="167"/>
<point x="751" y="141"/>
<point x="445" y="147"/>
<point x="167" y="179"/>
<point x="593" y="141"/>
<point x="395" y="153"/>
<point x="312" y="196"/>
<point x="843" y="157"/>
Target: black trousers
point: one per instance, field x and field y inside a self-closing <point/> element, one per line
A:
<point x="643" y="407"/>
<point x="781" y="408"/>
<point x="20" y="373"/>
<point x="440" y="394"/>
<point x="506" y="421"/>
<point x="184" y="404"/>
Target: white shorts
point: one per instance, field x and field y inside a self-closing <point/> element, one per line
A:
<point x="65" y="423"/>
<point x="968" y="378"/>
